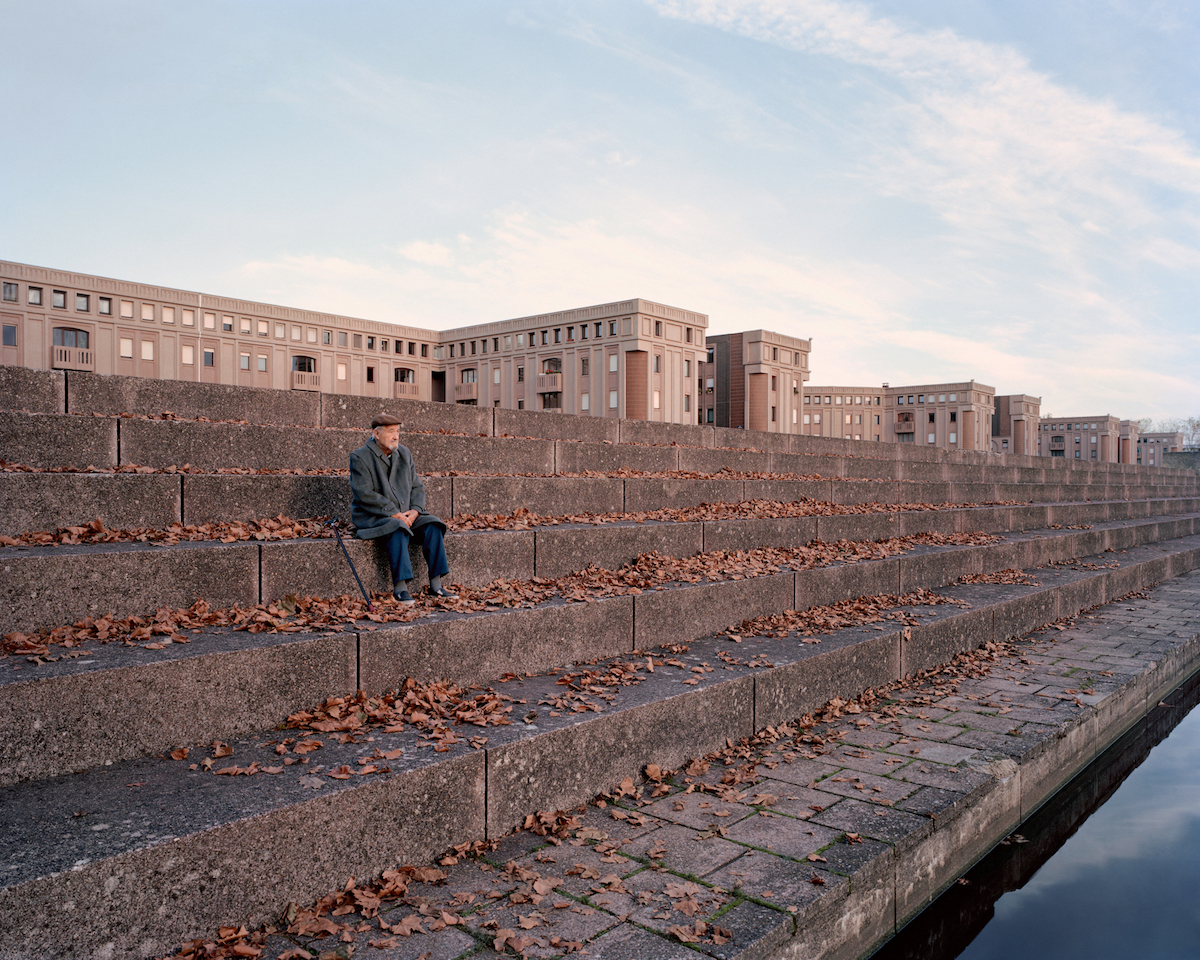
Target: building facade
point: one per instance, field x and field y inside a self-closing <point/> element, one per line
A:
<point x="754" y="380"/>
<point x="1015" y="424"/>
<point x="1152" y="446"/>
<point x="956" y="416"/>
<point x="848" y="413"/>
<point x="633" y="358"/>
<point x="1086" y="438"/>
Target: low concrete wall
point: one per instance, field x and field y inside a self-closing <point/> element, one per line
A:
<point x="57" y="440"/>
<point x="35" y="391"/>
<point x="47" y="501"/>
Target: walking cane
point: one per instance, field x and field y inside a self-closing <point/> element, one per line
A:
<point x="337" y="533"/>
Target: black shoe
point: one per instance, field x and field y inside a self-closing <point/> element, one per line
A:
<point x="403" y="596"/>
<point x="441" y="592"/>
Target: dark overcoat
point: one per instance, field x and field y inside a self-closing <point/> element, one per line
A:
<point x="382" y="485"/>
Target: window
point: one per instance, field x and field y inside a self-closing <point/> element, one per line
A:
<point x="521" y="340"/>
<point x="297" y="333"/>
<point x="687" y="368"/>
<point x="900" y="401"/>
<point x="828" y="399"/>
<point x="244" y="326"/>
<point x="451" y="351"/>
<point x="104" y="306"/>
<point x="304" y="364"/>
<point x="60" y="299"/>
<point x="709" y="417"/>
<point x="808" y="399"/>
<point x="657" y="400"/>
<point x="264" y="328"/>
<point x="545" y="337"/>
<point x="424" y="350"/>
<point x="147" y="311"/>
<point x="932" y="417"/>
<point x="954" y="416"/>
<point x="583" y="332"/>
<point x="209" y="358"/>
<point x="370" y="374"/>
<point x="404" y="375"/>
<point x="687" y="402"/>
<point x="954" y="398"/>
<point x="10" y="334"/>
<point x="657" y="363"/>
<point x="708" y="385"/>
<point x="816" y="418"/>
<point x="10" y="292"/>
<point x="773" y="388"/>
<point x="66" y="337"/>
<point x="612" y="363"/>
<point x="483" y="345"/>
<point x="584" y="365"/>
<point x="953" y="438"/>
<point x="227" y="323"/>
<point x="244" y="361"/>
<point x="281" y="331"/>
<point x="932" y="437"/>
<point x="386" y="345"/>
<point x="468" y="376"/>
<point x="82" y="303"/>
<point x="598" y="328"/>
<point x="612" y="399"/>
<point x="341" y="371"/>
<point x="125" y="348"/>
<point x="187" y="355"/>
<point x="557" y="335"/>
<point x="658" y="328"/>
<point x="807" y="418"/>
<point x="495" y="374"/>
<point x="343" y="339"/>
<point x="583" y="399"/>
<point x="858" y="418"/>
<point x="774" y="356"/>
<point x="520" y="374"/>
<point x="876" y="419"/>
<point x="495" y="344"/>
<point x="910" y="399"/>
<point x="326" y="337"/>
<point x="147" y="349"/>
<point x="612" y="328"/>
<point x="35" y="296"/>
<point x="847" y="420"/>
<point x="312" y="335"/>
<point x="857" y="400"/>
<point x="508" y="342"/>
<point x="168" y="314"/>
<point x="189" y="318"/>
<point x="942" y="398"/>
<point x="920" y="398"/>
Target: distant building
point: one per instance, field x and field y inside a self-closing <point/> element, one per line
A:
<point x="1015" y="424"/>
<point x="1083" y="438"/>
<point x="1152" y="446"/>
<point x="848" y="413"/>
<point x="754" y="380"/>
<point x="957" y="416"/>
<point x="632" y="358"/>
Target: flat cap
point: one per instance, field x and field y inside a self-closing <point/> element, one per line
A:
<point x="384" y="420"/>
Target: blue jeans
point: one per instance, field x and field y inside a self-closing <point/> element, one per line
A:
<point x="432" y="545"/>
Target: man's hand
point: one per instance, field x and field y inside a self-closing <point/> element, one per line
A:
<point x="408" y="517"/>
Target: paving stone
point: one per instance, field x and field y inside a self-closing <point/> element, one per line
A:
<point x="758" y="932"/>
<point x="627" y="942"/>
<point x="859" y="785"/>
<point x="699" y="810"/>
<point x="778" y="880"/>
<point x="930" y="750"/>
<point x="684" y="852"/>
<point x="800" y="771"/>
<point x="646" y="899"/>
<point x="872" y="820"/>
<point x="555" y="916"/>
<point x="578" y="868"/>
<point x="784" y="835"/>
<point x="1013" y="746"/>
<point x="928" y="730"/>
<point x="791" y="799"/>
<point x="947" y="778"/>
<point x="869" y="761"/>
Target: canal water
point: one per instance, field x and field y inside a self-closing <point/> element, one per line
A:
<point x="1108" y="869"/>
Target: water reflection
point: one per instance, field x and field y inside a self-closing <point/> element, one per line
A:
<point x="1110" y="869"/>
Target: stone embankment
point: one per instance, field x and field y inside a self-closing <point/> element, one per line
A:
<point x="199" y="733"/>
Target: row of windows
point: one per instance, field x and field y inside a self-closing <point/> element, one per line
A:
<point x="1064" y="427"/>
<point x="836" y="400"/>
<point x="941" y="398"/>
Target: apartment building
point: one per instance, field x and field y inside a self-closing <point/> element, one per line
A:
<point x="754" y="380"/>
<point x="1087" y="438"/>
<point x="848" y="413"/>
<point x="1152" y="446"/>
<point x="956" y="416"/>
<point x="631" y="358"/>
<point x="1015" y="424"/>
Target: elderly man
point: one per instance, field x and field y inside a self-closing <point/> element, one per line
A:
<point x="389" y="501"/>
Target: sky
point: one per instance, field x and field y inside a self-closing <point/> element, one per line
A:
<point x="932" y="190"/>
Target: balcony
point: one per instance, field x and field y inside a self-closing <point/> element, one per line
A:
<point x="466" y="391"/>
<point x="549" y="383"/>
<point x="72" y="358"/>
<point x="406" y="391"/>
<point x="906" y="426"/>
<point x="306" y="381"/>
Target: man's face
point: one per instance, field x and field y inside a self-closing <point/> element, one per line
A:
<point x="388" y="437"/>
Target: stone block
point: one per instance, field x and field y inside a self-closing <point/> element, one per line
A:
<point x="562" y="550"/>
<point x="555" y="426"/>
<point x="46" y="501"/>
<point x="927" y="521"/>
<point x="33" y="391"/>
<point x="196" y="873"/>
<point x="938" y="642"/>
<point x="863" y="468"/>
<point x="580" y="457"/>
<point x="545" y="496"/>
<point x="439" y="453"/>
<point x="123" y="703"/>
<point x="747" y="534"/>
<point x="51" y="586"/>
<point x="931" y="491"/>
<point x="1036" y="516"/>
<point x="110" y="395"/>
<point x="680" y="614"/>
<point x="925" y="470"/>
<point x="931" y="567"/>
<point x="216" y="497"/>
<point x="865" y="491"/>
<point x="998" y="556"/>
<point x="820" y="586"/>
<point x="787" y="491"/>
<point x="1016" y="616"/>
<point x="211" y="446"/>
<point x="699" y="460"/>
<point x="57" y="440"/>
<point x="646" y="495"/>
<point x="479" y="649"/>
<point x="568" y="766"/>
<point x="843" y="665"/>
<point x="973" y="492"/>
<point x="662" y="434"/>
<point x="340" y="410"/>
<point x="731" y="438"/>
<point x="857" y="526"/>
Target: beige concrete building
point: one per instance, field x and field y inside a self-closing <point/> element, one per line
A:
<point x="1015" y="424"/>
<point x="957" y="416"/>
<point x="1085" y="438"/>
<point x="849" y="413"/>
<point x="632" y="358"/>
<point x="754" y="380"/>
<point x="1152" y="446"/>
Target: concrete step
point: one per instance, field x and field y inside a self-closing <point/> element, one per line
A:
<point x="41" y="583"/>
<point x="132" y="858"/>
<point x="49" y="441"/>
<point x="47" y="501"/>
<point x="75" y="711"/>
